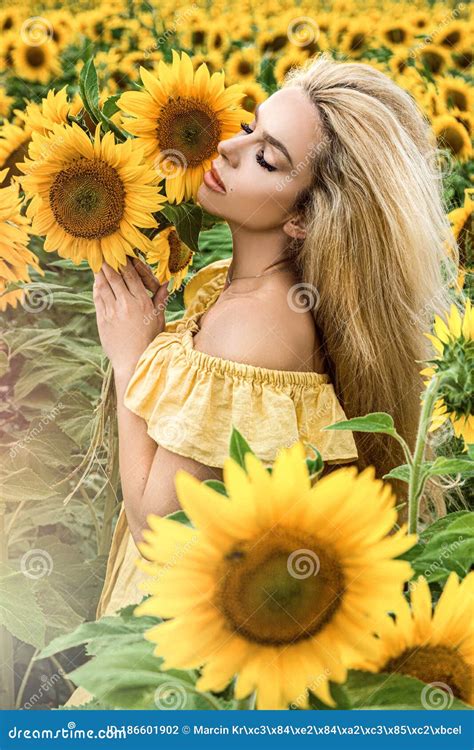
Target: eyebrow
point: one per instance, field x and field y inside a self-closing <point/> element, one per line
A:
<point x="273" y="141"/>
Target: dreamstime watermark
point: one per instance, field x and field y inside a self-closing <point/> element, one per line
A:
<point x="36" y="30"/>
<point x="47" y="682"/>
<point x="45" y="151"/>
<point x="437" y="696"/>
<point x="303" y="563"/>
<point x="36" y="563"/>
<point x="429" y="38"/>
<point x="445" y="554"/>
<point x="170" y="696"/>
<point x="178" y="555"/>
<point x="36" y="430"/>
<point x="303" y="31"/>
<point x="161" y="307"/>
<point x="37" y="297"/>
<point x="170" y="164"/>
<point x="312" y="152"/>
<point x="303" y="297"/>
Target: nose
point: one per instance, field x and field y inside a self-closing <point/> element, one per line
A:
<point x="229" y="149"/>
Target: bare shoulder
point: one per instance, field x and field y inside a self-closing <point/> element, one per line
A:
<point x="260" y="330"/>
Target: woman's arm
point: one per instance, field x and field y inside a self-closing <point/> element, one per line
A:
<point x="147" y="470"/>
<point x="128" y="320"/>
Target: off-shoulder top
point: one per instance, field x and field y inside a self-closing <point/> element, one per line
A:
<point x="191" y="399"/>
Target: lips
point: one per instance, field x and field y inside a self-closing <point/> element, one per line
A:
<point x="213" y="180"/>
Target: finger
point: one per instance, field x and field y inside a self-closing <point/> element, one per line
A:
<point x="133" y="281"/>
<point x="146" y="274"/>
<point x="103" y="291"/>
<point x="161" y="297"/>
<point x="99" y="303"/>
<point x="115" y="280"/>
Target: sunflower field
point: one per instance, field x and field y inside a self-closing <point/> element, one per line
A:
<point x="110" y="113"/>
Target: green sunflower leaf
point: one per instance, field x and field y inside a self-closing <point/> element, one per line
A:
<point x="445" y="546"/>
<point x="452" y="465"/>
<point x="377" y="421"/>
<point x="187" y="220"/>
<point x="89" y="90"/>
<point x="398" y="692"/>
<point x="216" y="485"/>
<point x="181" y="517"/>
<point x="238" y="447"/>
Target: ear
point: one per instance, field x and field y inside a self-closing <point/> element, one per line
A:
<point x="295" y="228"/>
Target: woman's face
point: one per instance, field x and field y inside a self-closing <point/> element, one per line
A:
<point x="265" y="168"/>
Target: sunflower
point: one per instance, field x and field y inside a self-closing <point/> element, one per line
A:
<point x="453" y="341"/>
<point x="288" y="61"/>
<point x="451" y="36"/>
<point x="89" y="198"/>
<point x="456" y="94"/>
<point x="172" y="255"/>
<point x="436" y="647"/>
<point x="214" y="61"/>
<point x="355" y="38"/>
<point x="38" y="62"/>
<point x="276" y="581"/>
<point x="451" y="134"/>
<point x="217" y="38"/>
<point x="14" y="254"/>
<point x="461" y="220"/>
<point x="54" y="108"/>
<point x="242" y="65"/>
<point x="180" y="118"/>
<point x="253" y="94"/>
<point x="396" y="34"/>
<point x="434" y="58"/>
<point x="5" y="102"/>
<point x="14" y="141"/>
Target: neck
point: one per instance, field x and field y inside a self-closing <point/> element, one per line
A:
<point x="257" y="252"/>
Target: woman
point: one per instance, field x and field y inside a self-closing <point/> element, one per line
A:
<point x="331" y="194"/>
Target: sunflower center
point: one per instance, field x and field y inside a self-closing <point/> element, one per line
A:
<point x="87" y="199"/>
<point x="452" y="139"/>
<point x="180" y="254"/>
<point x="35" y="57"/>
<point x="457" y="99"/>
<point x="245" y="68"/>
<point x="433" y="61"/>
<point x="190" y="127"/>
<point x="280" y="588"/>
<point x="434" y="664"/>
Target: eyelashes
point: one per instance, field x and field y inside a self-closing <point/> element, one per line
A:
<point x="259" y="156"/>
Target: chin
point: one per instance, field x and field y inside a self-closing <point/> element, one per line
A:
<point x="204" y="198"/>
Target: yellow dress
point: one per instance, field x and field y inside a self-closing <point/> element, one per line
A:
<point x="190" y="400"/>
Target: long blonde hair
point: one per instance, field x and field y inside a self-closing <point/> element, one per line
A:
<point x="377" y="233"/>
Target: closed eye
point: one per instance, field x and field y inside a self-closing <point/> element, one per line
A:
<point x="259" y="157"/>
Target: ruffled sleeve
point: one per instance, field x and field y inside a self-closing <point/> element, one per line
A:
<point x="200" y="289"/>
<point x="190" y="401"/>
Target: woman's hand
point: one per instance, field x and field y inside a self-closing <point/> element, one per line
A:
<point x="128" y="319"/>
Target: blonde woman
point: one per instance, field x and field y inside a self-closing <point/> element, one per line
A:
<point x="334" y="203"/>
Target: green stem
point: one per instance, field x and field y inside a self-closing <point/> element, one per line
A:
<point x="21" y="690"/>
<point x="417" y="479"/>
